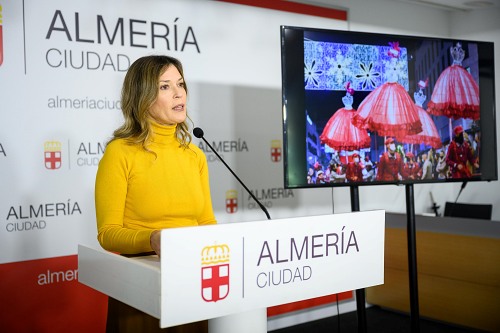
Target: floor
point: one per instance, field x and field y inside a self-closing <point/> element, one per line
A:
<point x="377" y="320"/>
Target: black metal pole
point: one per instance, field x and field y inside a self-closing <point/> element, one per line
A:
<point x="360" y="293"/>
<point x="412" y="258"/>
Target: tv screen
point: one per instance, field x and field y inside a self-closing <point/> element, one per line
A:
<point x="367" y="109"/>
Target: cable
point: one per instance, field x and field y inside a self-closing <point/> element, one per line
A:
<point x="333" y="206"/>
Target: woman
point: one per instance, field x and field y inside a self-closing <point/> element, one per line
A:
<point x="151" y="176"/>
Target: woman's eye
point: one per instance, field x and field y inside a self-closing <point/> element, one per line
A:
<point x="164" y="87"/>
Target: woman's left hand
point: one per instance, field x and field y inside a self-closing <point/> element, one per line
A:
<point x="155" y="241"/>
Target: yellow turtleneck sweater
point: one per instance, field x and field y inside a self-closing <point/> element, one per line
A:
<point x="137" y="192"/>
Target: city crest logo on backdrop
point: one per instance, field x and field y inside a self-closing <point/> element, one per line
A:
<point x="231" y="201"/>
<point x="276" y="150"/>
<point x="215" y="272"/>
<point x="81" y="154"/>
<point x="52" y="155"/>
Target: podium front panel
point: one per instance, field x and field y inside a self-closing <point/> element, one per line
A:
<point x="213" y="271"/>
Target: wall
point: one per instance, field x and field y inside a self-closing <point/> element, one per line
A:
<point x="482" y="25"/>
<point x="397" y="17"/>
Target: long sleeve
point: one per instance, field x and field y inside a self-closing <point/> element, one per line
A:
<point x="110" y="198"/>
<point x="140" y="191"/>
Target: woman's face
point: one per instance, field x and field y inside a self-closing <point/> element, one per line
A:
<point x="170" y="106"/>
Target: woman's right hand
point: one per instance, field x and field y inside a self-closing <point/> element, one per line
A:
<point x="155" y="241"/>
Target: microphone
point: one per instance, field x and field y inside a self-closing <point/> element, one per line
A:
<point x="459" y="192"/>
<point x="461" y="189"/>
<point x="198" y="132"/>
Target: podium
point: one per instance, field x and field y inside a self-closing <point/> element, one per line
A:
<point x="230" y="273"/>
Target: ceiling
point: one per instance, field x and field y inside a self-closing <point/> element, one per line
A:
<point x="457" y="5"/>
<point x="451" y="5"/>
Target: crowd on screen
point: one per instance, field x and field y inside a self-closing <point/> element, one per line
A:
<point x="458" y="159"/>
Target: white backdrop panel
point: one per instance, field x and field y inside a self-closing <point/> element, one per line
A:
<point x="60" y="82"/>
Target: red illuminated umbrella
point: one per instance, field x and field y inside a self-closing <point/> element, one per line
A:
<point x="339" y="132"/>
<point x="389" y="110"/>
<point x="429" y="135"/>
<point x="456" y="94"/>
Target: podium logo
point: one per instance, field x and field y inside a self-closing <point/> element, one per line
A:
<point x="215" y="272"/>
<point x="231" y="201"/>
<point x="52" y="155"/>
<point x="276" y="150"/>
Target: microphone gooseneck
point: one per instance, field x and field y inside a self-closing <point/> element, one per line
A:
<point x="198" y="132"/>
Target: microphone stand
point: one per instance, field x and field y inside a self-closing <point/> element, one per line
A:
<point x="198" y="132"/>
<point x="435" y="206"/>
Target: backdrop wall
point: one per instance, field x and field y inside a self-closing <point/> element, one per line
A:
<point x="61" y="73"/>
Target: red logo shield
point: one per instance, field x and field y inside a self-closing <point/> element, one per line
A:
<point x="215" y="272"/>
<point x="214" y="282"/>
<point x="276" y="150"/>
<point x="52" y="155"/>
<point x="231" y="201"/>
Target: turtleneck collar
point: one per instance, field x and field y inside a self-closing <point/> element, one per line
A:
<point x="163" y="133"/>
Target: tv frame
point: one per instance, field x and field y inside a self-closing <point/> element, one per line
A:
<point x="294" y="105"/>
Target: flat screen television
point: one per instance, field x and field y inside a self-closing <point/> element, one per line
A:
<point x="368" y="109"/>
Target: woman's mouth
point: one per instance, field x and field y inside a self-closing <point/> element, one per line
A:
<point x="179" y="107"/>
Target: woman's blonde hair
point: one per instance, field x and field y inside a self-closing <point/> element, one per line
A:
<point x="139" y="92"/>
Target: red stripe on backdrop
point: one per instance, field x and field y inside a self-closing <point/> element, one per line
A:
<point x="308" y="303"/>
<point x="45" y="296"/>
<point x="294" y="7"/>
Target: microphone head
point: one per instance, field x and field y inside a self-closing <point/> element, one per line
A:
<point x="198" y="132"/>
